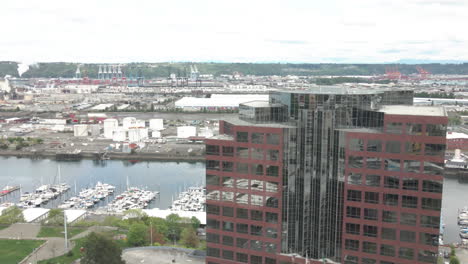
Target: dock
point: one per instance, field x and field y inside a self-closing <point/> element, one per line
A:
<point x="8" y="190"/>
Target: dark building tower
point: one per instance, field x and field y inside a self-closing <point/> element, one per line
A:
<point x="350" y="176"/>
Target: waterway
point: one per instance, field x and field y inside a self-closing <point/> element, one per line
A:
<point x="168" y="178"/>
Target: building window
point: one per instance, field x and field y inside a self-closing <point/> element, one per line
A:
<point x="432" y="186"/>
<point x="394" y="128"/>
<point x="370" y="214"/>
<point x="271" y="232"/>
<point x="370" y="231"/>
<point x="413" y="148"/>
<point x="212" y="238"/>
<point x="393" y="147"/>
<point x="228" y="241"/>
<point x="389" y="216"/>
<point x="388" y="233"/>
<point x="431" y="204"/>
<point x="271" y="217"/>
<point x="430" y="221"/>
<point x="242" y="243"/>
<point x="256" y="230"/>
<point x="412" y="166"/>
<point x="228" y="166"/>
<point x="433" y="168"/>
<point x="256" y="200"/>
<point x="257" y="153"/>
<point x="256" y="245"/>
<point x="390" y="199"/>
<point x="406" y="253"/>
<point x="228" y="196"/>
<point x="242" y="184"/>
<point x="212" y="180"/>
<point x="212" y="165"/>
<point x="413" y="129"/>
<point x="256" y="185"/>
<point x="228" y="151"/>
<point x="356" y="144"/>
<point x="351" y="244"/>
<point x="272" y="171"/>
<point x="242" y="198"/>
<point x="272" y="155"/>
<point x="257" y="169"/>
<point x="429" y="239"/>
<point x="257" y="138"/>
<point x="271" y="202"/>
<point x="242" y="152"/>
<point x="212" y="209"/>
<point x="272" y="139"/>
<point x="354" y="195"/>
<point x="212" y="150"/>
<point x="255" y="259"/>
<point x="369" y="261"/>
<point x="374" y="163"/>
<point x="213" y="224"/>
<point x="427" y="256"/>
<point x="409" y="201"/>
<point x="213" y="195"/>
<point x="270" y="261"/>
<point x="351" y="259"/>
<point x="434" y="149"/>
<point x="387" y="250"/>
<point x="391" y="182"/>
<point x="410" y="184"/>
<point x="242" y="137"/>
<point x="373" y="180"/>
<point x="242" y="213"/>
<point x="408" y="219"/>
<point x="212" y="252"/>
<point x="435" y="130"/>
<point x="353" y="212"/>
<point x="374" y="145"/>
<point x="407" y="236"/>
<point x="227" y="254"/>
<point x="392" y="164"/>
<point x="256" y="215"/>
<point x="243" y="168"/>
<point x="354" y="179"/>
<point x="354" y="229"/>
<point x="228" y="226"/>
<point x="372" y="197"/>
<point x="242" y="228"/>
<point x="355" y="161"/>
<point x="369" y="247"/>
<point x="228" y="182"/>
<point x="271" y="186"/>
<point x="228" y="211"/>
<point x="242" y="258"/>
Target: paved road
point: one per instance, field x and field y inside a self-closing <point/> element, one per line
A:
<point x="20" y="231"/>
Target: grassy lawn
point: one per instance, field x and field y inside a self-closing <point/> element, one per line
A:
<point x="3" y="226"/>
<point x="13" y="251"/>
<point x="67" y="258"/>
<point x="47" y="231"/>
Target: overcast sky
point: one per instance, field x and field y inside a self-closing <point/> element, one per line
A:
<point x="239" y="31"/>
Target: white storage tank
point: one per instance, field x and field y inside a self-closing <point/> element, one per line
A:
<point x="186" y="131"/>
<point x="110" y="126"/>
<point x="143" y="133"/>
<point x="156" y="134"/>
<point x="134" y="135"/>
<point x="80" y="130"/>
<point x="120" y="134"/>
<point x="95" y="130"/>
<point x="140" y="123"/>
<point x="156" y="124"/>
<point x="128" y="122"/>
<point x="205" y="132"/>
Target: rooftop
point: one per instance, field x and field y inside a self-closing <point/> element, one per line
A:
<point x="238" y="122"/>
<point x="413" y="110"/>
<point x="335" y="90"/>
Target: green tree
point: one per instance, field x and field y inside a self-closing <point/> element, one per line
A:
<point x="454" y="260"/>
<point x="99" y="249"/>
<point x="55" y="217"/>
<point x="189" y="238"/>
<point x="195" y="222"/>
<point x="137" y="235"/>
<point x="160" y="225"/>
<point x="173" y="226"/>
<point x="11" y="215"/>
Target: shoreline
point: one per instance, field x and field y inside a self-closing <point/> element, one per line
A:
<point x="111" y="155"/>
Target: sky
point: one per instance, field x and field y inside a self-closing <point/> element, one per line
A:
<point x="339" y="31"/>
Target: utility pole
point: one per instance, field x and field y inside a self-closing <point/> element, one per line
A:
<point x="66" y="233"/>
<point x="151" y="233"/>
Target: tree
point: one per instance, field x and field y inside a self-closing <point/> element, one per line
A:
<point x="55" y="217"/>
<point x="137" y="235"/>
<point x="189" y="238"/>
<point x="195" y="222"/>
<point x="173" y="226"/>
<point x="99" y="249"/>
<point x="454" y="260"/>
<point x="160" y="225"/>
<point x="157" y="237"/>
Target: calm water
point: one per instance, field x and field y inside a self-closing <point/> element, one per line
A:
<point x="167" y="177"/>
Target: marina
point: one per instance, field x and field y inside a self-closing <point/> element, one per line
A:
<point x="133" y="198"/>
<point x="42" y="195"/>
<point x="193" y="199"/>
<point x="8" y="189"/>
<point x="87" y="198"/>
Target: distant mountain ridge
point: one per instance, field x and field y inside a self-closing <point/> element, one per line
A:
<point x="153" y="70"/>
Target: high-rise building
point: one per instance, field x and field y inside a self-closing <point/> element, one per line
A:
<point x="326" y="175"/>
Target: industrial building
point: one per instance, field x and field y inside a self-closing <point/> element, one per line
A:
<point x="217" y="102"/>
<point x="330" y="175"/>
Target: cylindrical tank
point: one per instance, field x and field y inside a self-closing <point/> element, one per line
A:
<point x="80" y="130"/>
